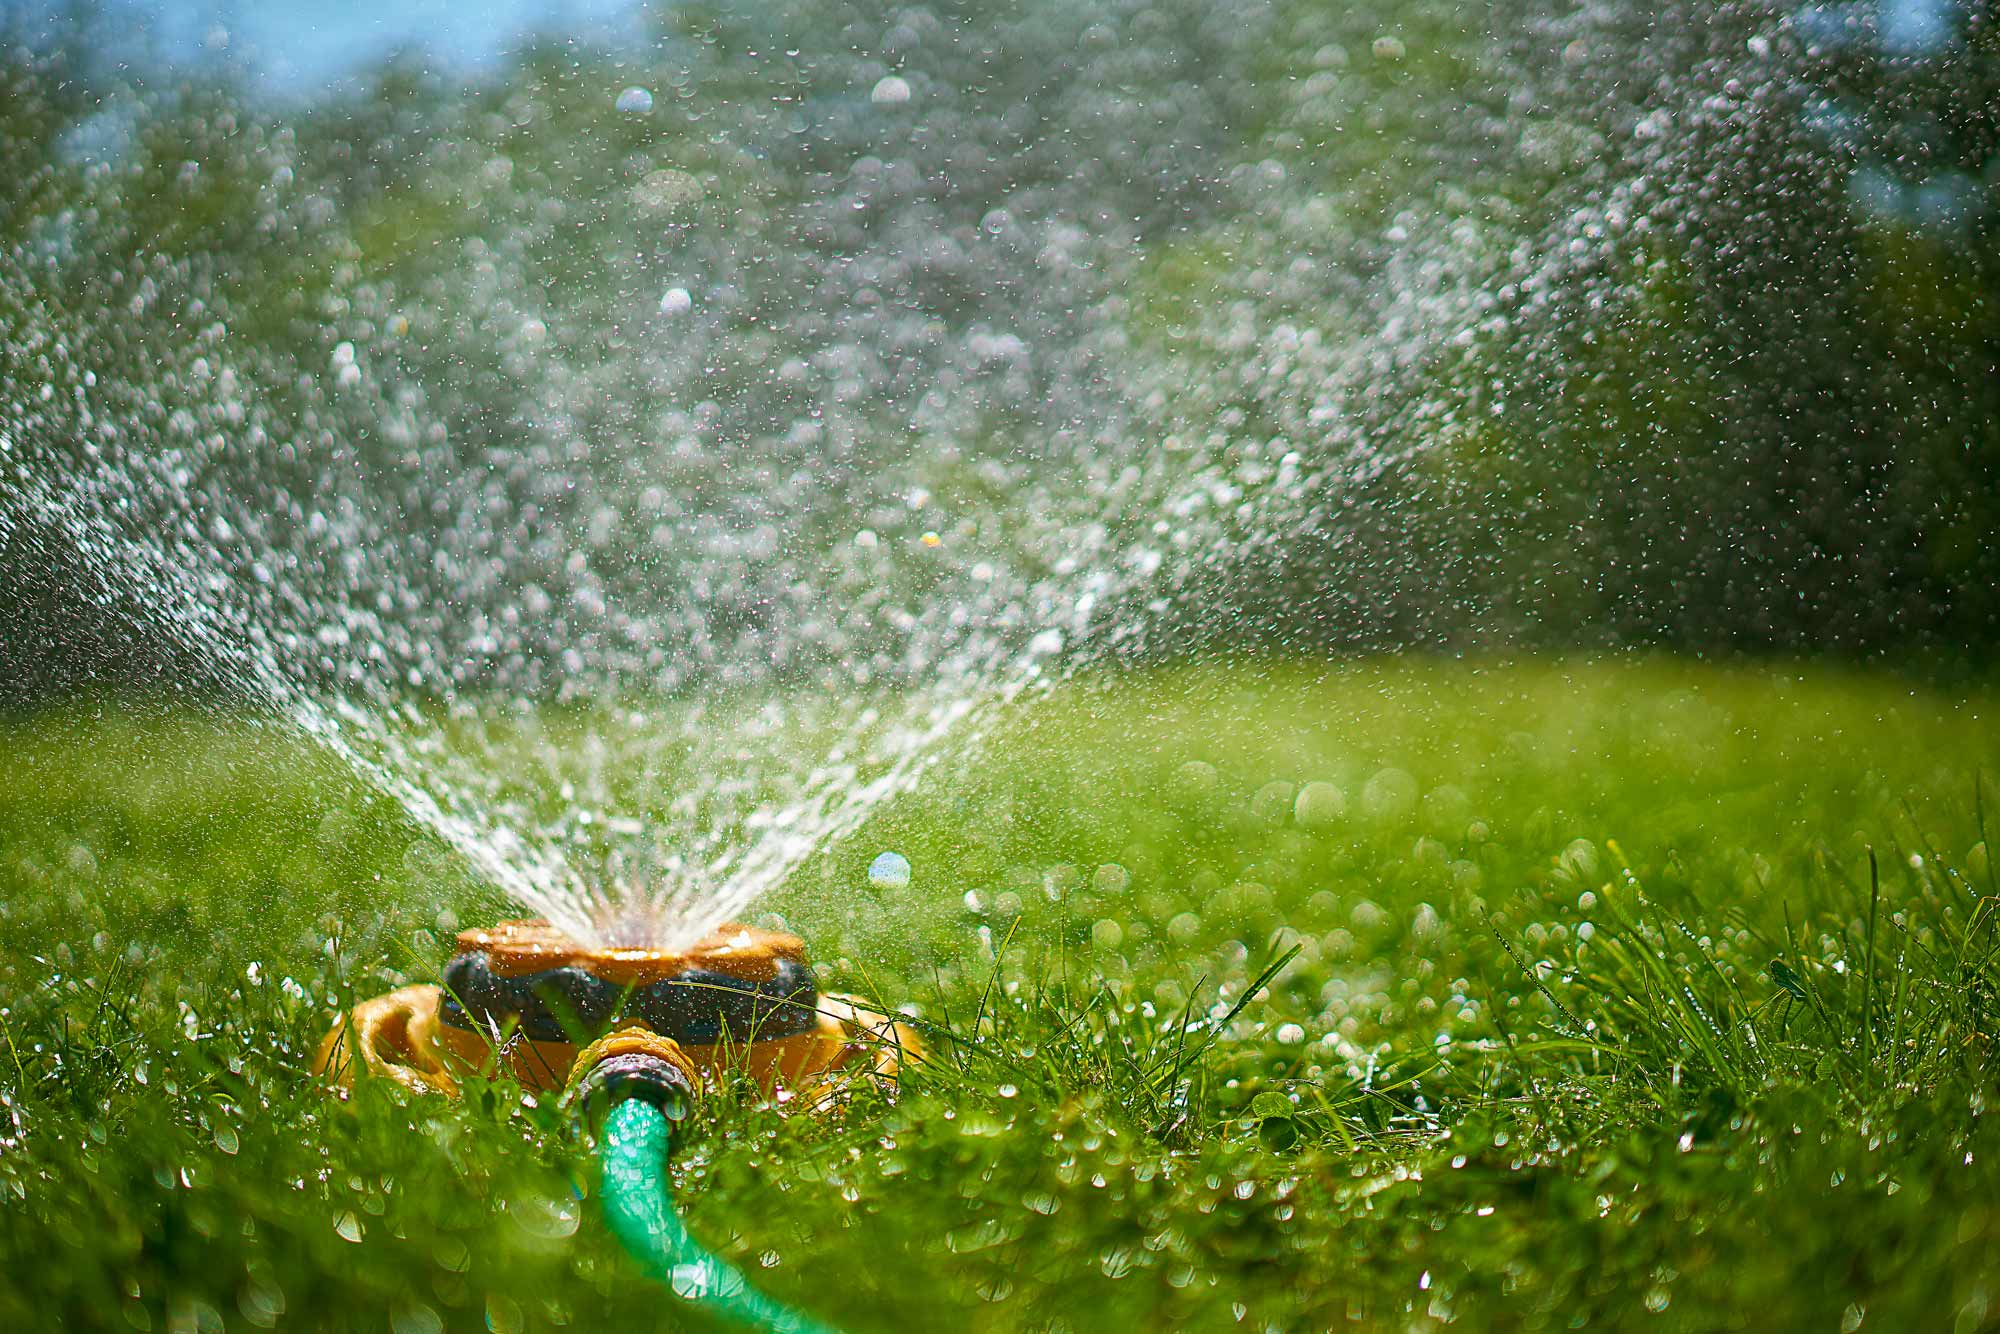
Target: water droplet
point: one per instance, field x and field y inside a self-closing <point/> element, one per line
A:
<point x="1390" y="795"/>
<point x="415" y="1318"/>
<point x="889" y="870"/>
<point x="677" y="301"/>
<point x="503" y="1315"/>
<point x="890" y="91"/>
<point x="1319" y="805"/>
<point x="1271" y="1103"/>
<point x="635" y="101"/>
<point x="1195" y="779"/>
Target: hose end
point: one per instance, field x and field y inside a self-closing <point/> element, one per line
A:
<point x="632" y="1063"/>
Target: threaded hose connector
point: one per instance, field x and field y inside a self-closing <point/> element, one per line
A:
<point x="632" y="1063"/>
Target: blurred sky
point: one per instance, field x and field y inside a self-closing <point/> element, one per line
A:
<point x="298" y="48"/>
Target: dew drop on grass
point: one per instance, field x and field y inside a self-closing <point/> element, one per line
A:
<point x="1580" y="858"/>
<point x="347" y="1226"/>
<point x="1270" y="1103"/>
<point x="889" y="870"/>
<point x="547" y="1219"/>
<point x="890" y="91"/>
<point x="225" y="1139"/>
<point x="635" y="101"/>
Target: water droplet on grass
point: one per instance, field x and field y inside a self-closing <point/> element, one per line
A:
<point x="635" y="101"/>
<point x="1271" y="1103"/>
<point x="347" y="1226"/>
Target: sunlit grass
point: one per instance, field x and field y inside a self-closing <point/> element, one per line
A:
<point x="1630" y="993"/>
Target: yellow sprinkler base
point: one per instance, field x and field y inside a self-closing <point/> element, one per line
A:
<point x="525" y="1001"/>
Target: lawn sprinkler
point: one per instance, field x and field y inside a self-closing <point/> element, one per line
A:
<point x="632" y="1036"/>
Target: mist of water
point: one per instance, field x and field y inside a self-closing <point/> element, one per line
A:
<point x="901" y="374"/>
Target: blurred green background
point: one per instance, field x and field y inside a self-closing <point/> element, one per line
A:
<point x="1664" y="327"/>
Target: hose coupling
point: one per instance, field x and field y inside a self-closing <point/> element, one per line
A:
<point x="631" y="1063"/>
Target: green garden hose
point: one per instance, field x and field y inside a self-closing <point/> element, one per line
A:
<point x="639" y="1206"/>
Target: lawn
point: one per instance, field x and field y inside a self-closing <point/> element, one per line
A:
<point x="1632" y="993"/>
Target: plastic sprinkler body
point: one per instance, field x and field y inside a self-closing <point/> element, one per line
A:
<point x="524" y="1000"/>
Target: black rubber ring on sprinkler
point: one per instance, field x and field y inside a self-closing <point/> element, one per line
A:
<point x="697" y="1007"/>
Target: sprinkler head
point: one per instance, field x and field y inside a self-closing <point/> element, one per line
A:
<point x="525" y="1000"/>
<point x="740" y="985"/>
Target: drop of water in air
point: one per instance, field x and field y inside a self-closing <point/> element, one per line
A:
<point x="889" y="870"/>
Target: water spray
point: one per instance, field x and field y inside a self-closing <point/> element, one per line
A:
<point x="633" y="1036"/>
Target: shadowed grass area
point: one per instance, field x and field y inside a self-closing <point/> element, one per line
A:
<point x="1516" y="995"/>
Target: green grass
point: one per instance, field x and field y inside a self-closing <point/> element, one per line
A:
<point x="1598" y="1017"/>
